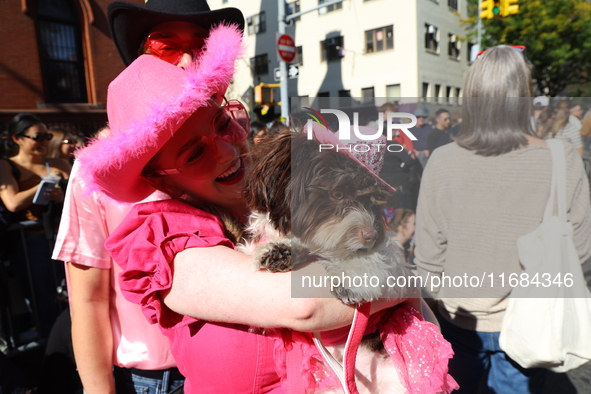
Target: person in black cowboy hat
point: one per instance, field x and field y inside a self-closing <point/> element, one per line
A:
<point x="131" y="24"/>
<point x="107" y="329"/>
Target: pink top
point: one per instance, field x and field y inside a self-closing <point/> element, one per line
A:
<point x="86" y="223"/>
<point x="416" y="348"/>
<point x="214" y="357"/>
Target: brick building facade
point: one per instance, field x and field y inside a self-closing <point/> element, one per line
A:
<point x="57" y="60"/>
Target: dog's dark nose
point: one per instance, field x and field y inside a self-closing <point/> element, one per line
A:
<point x="368" y="236"/>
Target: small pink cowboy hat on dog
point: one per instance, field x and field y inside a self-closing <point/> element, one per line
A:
<point x="370" y="154"/>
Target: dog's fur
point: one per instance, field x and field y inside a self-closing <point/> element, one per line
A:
<point x="306" y="202"/>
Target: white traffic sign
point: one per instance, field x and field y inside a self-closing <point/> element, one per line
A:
<point x="293" y="72"/>
<point x="286" y="48"/>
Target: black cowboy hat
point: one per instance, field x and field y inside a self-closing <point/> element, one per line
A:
<point x="130" y="22"/>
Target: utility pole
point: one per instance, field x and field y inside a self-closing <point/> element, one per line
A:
<point x="283" y="79"/>
<point x="479" y="40"/>
<point x="283" y="21"/>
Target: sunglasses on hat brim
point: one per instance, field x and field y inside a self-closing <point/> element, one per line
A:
<point x="519" y="48"/>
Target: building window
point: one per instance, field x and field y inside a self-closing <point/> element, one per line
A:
<point x="470" y="54"/>
<point x="62" y="63"/>
<point x="332" y="49"/>
<point x="458" y="97"/>
<point x="345" y="99"/>
<point x="330" y="8"/>
<point x="260" y="64"/>
<point x="448" y="94"/>
<point x="299" y="57"/>
<point x="377" y="40"/>
<point x="293" y="8"/>
<point x="368" y="95"/>
<point x="453" y="4"/>
<point x="323" y="99"/>
<point x="431" y="38"/>
<point x="393" y="91"/>
<point x="256" y="23"/>
<point x="437" y="92"/>
<point x="453" y="46"/>
<point x="425" y="92"/>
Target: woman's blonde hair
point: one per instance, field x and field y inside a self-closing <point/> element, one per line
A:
<point x="54" y="147"/>
<point x="496" y="108"/>
<point x="550" y="123"/>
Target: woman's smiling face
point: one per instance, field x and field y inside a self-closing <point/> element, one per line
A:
<point x="205" y="159"/>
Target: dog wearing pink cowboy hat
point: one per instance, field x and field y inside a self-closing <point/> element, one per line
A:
<point x="345" y="232"/>
<point x="297" y="189"/>
<point x="142" y="120"/>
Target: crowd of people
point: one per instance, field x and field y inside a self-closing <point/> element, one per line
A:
<point x="151" y="211"/>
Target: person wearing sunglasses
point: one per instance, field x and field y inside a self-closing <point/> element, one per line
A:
<point x="172" y="30"/>
<point x="21" y="172"/>
<point x="116" y="349"/>
<point x="62" y="145"/>
<point x="177" y="255"/>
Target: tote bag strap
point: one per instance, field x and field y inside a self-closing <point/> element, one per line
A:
<point x="558" y="188"/>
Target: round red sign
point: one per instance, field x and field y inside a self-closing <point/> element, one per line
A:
<point x="286" y="47"/>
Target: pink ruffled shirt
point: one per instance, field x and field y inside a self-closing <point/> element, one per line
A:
<point x="86" y="223"/>
<point x="214" y="357"/>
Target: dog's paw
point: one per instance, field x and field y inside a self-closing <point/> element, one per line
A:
<point x="276" y="258"/>
<point x="348" y="296"/>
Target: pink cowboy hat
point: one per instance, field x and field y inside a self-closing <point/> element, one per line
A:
<point x="370" y="154"/>
<point x="146" y="104"/>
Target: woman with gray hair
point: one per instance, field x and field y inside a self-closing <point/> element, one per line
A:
<point x="478" y="196"/>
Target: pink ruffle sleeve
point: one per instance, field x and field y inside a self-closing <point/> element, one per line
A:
<point x="146" y="243"/>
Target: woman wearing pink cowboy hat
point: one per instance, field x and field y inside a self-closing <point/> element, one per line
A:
<point x="116" y="349"/>
<point x="178" y="255"/>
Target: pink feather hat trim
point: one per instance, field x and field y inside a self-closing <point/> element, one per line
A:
<point x="146" y="104"/>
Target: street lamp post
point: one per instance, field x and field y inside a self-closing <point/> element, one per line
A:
<point x="283" y="21"/>
<point x="283" y="79"/>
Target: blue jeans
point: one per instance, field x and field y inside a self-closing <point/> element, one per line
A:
<point x="127" y="382"/>
<point x="478" y="353"/>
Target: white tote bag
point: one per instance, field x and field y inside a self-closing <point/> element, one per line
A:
<point x="548" y="324"/>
